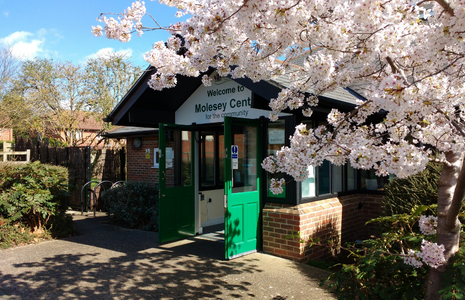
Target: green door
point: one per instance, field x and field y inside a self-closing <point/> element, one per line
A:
<point x="176" y="208"/>
<point x="242" y="186"/>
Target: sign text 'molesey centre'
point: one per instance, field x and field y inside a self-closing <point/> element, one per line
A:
<point x="211" y="104"/>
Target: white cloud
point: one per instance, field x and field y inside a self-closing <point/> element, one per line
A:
<point x="25" y="51"/>
<point x="22" y="44"/>
<point x="15" y="37"/>
<point x="6" y="13"/>
<point x="106" y="52"/>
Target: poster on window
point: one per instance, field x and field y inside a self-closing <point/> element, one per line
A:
<point x="276" y="136"/>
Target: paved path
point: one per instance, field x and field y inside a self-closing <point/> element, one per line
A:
<point x="108" y="262"/>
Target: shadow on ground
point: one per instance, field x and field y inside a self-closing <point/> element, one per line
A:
<point x="109" y="262"/>
<point x="132" y="267"/>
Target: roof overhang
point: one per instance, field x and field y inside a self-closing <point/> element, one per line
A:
<point x="145" y="107"/>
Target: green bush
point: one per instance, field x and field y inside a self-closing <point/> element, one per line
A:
<point x="32" y="194"/>
<point x="14" y="235"/>
<point x="379" y="271"/>
<point x="402" y="195"/>
<point x="133" y="205"/>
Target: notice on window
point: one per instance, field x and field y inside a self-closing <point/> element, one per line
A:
<point x="276" y="136"/>
<point x="235" y="157"/>
<point x="169" y="157"/>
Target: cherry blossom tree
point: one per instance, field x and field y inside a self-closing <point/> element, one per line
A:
<point x="407" y="54"/>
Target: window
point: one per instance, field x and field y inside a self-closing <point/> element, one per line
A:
<point x="212" y="155"/>
<point x="276" y="140"/>
<point x="327" y="179"/>
<point x="156" y="158"/>
<point x="369" y="181"/>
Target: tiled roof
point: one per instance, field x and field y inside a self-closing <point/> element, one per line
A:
<point x="339" y="93"/>
<point x="342" y="94"/>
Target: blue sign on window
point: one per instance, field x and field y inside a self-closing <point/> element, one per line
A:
<point x="234" y="151"/>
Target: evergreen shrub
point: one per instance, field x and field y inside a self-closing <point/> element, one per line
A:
<point x="403" y="195"/>
<point x="35" y="195"/>
<point x="133" y="205"/>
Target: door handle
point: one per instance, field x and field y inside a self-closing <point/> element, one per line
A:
<point x="225" y="201"/>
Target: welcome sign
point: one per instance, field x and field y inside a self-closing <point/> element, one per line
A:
<point x="211" y="104"/>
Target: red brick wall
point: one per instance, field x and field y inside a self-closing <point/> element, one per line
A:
<point x="6" y="135"/>
<point x="341" y="219"/>
<point x="140" y="168"/>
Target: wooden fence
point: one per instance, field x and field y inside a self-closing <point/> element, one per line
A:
<point x="84" y="164"/>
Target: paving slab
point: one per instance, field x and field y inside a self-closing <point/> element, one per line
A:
<point x="110" y="262"/>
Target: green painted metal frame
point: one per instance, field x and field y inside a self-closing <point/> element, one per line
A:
<point x="176" y="206"/>
<point x="242" y="210"/>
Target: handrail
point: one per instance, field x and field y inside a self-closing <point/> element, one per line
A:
<point x="99" y="183"/>
<point x="82" y="200"/>
<point x="118" y="182"/>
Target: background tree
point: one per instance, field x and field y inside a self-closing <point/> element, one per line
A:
<point x="48" y="98"/>
<point x="108" y="78"/>
<point x="54" y="99"/>
<point x="9" y="67"/>
<point x="408" y="58"/>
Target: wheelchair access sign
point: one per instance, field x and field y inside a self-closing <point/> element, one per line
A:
<point x="234" y="157"/>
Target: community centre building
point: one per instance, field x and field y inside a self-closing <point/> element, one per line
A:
<point x="204" y="147"/>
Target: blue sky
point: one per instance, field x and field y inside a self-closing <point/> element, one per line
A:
<point x="60" y="29"/>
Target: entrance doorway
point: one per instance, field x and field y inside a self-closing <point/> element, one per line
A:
<point x="210" y="180"/>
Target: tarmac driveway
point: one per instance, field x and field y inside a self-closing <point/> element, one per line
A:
<point x="109" y="262"/>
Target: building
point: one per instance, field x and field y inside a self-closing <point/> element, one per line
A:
<point x="75" y="128"/>
<point x="6" y="134"/>
<point x="204" y="146"/>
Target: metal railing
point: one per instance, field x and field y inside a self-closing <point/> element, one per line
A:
<point x="94" y="192"/>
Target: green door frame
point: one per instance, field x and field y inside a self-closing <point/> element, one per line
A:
<point x="242" y="207"/>
<point x="176" y="205"/>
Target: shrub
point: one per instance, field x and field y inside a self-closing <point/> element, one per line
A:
<point x="14" y="235"/>
<point x="379" y="271"/>
<point x="32" y="193"/>
<point x="133" y="205"/>
<point x="402" y="195"/>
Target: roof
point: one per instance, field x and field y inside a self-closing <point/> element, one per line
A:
<point x="145" y="107"/>
<point x="130" y="131"/>
<point x="88" y="122"/>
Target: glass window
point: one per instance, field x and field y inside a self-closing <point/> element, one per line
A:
<point x="309" y="185"/>
<point x="207" y="160"/>
<point x="369" y="181"/>
<point x="212" y="155"/>
<point x="222" y="155"/>
<point x="351" y="178"/>
<point x="244" y="177"/>
<point x="276" y="140"/>
<point x="178" y="159"/>
<point x="336" y="176"/>
<point x="327" y="179"/>
<point x="324" y="178"/>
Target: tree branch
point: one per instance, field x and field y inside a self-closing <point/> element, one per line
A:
<point x="447" y="8"/>
<point x="457" y="199"/>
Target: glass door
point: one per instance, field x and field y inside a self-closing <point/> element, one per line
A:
<point x="242" y="186"/>
<point x="176" y="208"/>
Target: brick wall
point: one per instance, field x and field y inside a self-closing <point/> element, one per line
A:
<point x="6" y="134"/>
<point x="140" y="168"/>
<point x="341" y="219"/>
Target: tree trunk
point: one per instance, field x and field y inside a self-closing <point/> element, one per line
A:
<point x="450" y="195"/>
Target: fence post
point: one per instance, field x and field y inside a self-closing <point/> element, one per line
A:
<point x="122" y="155"/>
<point x="28" y="155"/>
<point x="88" y="175"/>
